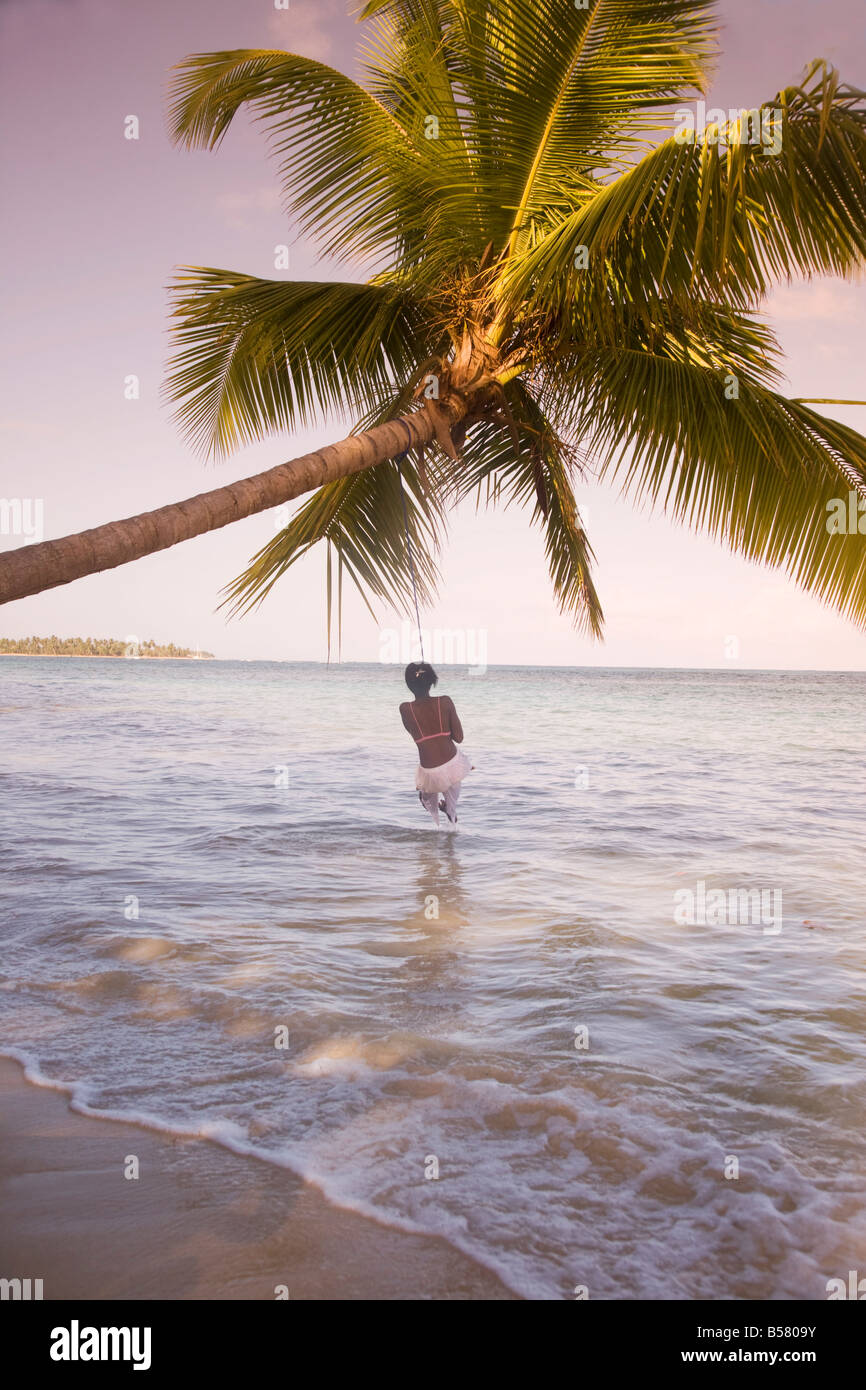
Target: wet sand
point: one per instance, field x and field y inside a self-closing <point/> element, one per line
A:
<point x="199" y="1223"/>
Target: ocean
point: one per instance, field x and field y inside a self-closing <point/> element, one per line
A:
<point x="606" y="1036"/>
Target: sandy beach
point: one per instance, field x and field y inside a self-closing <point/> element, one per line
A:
<point x="199" y="1223"/>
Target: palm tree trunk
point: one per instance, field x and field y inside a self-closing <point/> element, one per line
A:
<point x="32" y="568"/>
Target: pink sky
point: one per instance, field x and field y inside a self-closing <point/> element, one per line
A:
<point x="94" y="225"/>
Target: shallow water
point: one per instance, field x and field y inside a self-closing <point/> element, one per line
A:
<point x="154" y="788"/>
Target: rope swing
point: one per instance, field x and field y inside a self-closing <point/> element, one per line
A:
<point x="399" y="462"/>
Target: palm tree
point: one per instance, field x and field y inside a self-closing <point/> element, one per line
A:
<point x="563" y="280"/>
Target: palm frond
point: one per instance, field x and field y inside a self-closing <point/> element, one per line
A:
<point x="540" y="95"/>
<point x="349" y="170"/>
<point x="361" y="520"/>
<point x="689" y="219"/>
<point x="584" y="83"/>
<point x="257" y="356"/>
<point x="725" y="455"/>
<point x="537" y="474"/>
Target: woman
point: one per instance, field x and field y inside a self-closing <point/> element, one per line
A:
<point x="434" y="725"/>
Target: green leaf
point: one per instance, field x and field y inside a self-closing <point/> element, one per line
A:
<point x="348" y="168"/>
<point x="259" y="356"/>
<point x="690" y="220"/>
<point x="361" y="519"/>
<point x="756" y="471"/>
<point x="541" y="468"/>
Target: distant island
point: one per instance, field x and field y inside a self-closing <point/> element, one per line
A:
<point x="93" y="646"/>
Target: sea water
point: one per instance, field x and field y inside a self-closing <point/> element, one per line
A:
<point x="570" y="1036"/>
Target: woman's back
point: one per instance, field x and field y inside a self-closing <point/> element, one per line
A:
<point x="433" y="723"/>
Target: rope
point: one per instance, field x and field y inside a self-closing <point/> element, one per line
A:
<point x="398" y="461"/>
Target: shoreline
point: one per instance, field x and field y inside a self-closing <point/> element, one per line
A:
<point x="99" y="656"/>
<point x="200" y="1221"/>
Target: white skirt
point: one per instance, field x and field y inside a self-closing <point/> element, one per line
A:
<point x="439" y="779"/>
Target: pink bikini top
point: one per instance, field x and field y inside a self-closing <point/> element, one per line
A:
<point x="426" y="737"/>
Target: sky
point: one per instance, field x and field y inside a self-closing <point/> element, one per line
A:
<point x="94" y="227"/>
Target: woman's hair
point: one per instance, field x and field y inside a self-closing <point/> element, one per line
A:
<point x="420" y="676"/>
